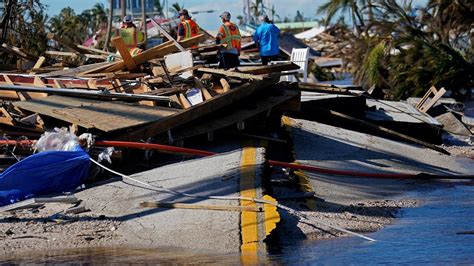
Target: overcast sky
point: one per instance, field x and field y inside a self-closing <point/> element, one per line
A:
<point x="284" y="8"/>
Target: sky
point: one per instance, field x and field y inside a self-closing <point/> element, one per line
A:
<point x="210" y="21"/>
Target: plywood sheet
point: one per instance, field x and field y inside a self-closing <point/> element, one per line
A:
<point x="105" y="116"/>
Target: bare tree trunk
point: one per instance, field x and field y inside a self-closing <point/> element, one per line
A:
<point x="109" y="26"/>
<point x="124" y="10"/>
<point x="144" y="22"/>
<point x="371" y="14"/>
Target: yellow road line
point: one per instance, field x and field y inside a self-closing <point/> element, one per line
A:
<point x="305" y="186"/>
<point x="248" y="220"/>
<point x="272" y="217"/>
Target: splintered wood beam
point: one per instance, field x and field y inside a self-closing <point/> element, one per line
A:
<point x="184" y="101"/>
<point x="155" y="52"/>
<point x="206" y="94"/>
<point x="123" y="50"/>
<point x="66" y="43"/>
<point x="225" y="85"/>
<point x="18" y="52"/>
<point x="258" y="70"/>
<point x="97" y="51"/>
<point x="196" y="111"/>
<point x="384" y="130"/>
<point x="37" y="65"/>
<point x="167" y="35"/>
<point x="229" y="73"/>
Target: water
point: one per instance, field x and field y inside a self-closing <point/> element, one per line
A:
<point x="427" y="234"/>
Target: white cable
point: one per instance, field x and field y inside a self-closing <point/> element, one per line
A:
<point x="288" y="209"/>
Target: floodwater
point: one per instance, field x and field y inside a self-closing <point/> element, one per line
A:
<point x="440" y="231"/>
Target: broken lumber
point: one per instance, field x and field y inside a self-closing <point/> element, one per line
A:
<point x="168" y="205"/>
<point x="258" y="70"/>
<point x="123" y="50"/>
<point x="385" y="130"/>
<point x="18" y="52"/>
<point x="86" y="93"/>
<point x="229" y="73"/>
<point x="66" y="43"/>
<point x="199" y="110"/>
<point x="156" y="52"/>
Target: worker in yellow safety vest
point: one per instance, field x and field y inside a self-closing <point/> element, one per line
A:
<point x="229" y="36"/>
<point x="131" y="36"/>
<point x="187" y="28"/>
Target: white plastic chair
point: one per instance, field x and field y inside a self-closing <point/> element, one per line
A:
<point x="299" y="56"/>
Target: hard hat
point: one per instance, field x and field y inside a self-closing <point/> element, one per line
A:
<point x="225" y="15"/>
<point x="183" y="12"/>
<point x="128" y="19"/>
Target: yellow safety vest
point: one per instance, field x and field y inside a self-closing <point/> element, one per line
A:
<point x="132" y="37"/>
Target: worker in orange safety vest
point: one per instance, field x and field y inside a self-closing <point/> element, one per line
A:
<point x="131" y="36"/>
<point x="187" y="28"/>
<point x="229" y="36"/>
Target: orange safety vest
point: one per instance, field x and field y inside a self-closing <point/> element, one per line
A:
<point x="191" y="28"/>
<point x="131" y="37"/>
<point x="229" y="34"/>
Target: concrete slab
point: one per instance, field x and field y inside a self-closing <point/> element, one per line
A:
<point x="331" y="147"/>
<point x="217" y="231"/>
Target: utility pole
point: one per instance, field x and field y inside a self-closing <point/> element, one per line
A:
<point x="122" y="5"/>
<point x="144" y="22"/>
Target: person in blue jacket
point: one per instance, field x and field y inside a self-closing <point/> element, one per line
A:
<point x="266" y="37"/>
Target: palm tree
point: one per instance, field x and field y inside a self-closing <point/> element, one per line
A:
<point x="332" y="7"/>
<point x="158" y="7"/>
<point x="175" y="8"/>
<point x="69" y="26"/>
<point x="109" y="25"/>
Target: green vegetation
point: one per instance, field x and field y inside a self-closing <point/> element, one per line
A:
<point x="405" y="50"/>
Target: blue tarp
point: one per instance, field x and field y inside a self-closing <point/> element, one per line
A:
<point x="43" y="173"/>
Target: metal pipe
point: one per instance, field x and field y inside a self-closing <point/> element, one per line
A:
<point x="138" y="145"/>
<point x="102" y="94"/>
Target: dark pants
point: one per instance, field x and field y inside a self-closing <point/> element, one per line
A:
<point x="266" y="59"/>
<point x="228" y="60"/>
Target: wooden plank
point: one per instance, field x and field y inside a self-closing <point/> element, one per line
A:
<point x="105" y="116"/>
<point x="206" y="94"/>
<point x="183" y="101"/>
<point x="66" y="43"/>
<point x="38" y="64"/>
<point x="384" y="130"/>
<point x="9" y="95"/>
<point x="228" y="73"/>
<point x="123" y="50"/>
<point x="82" y="69"/>
<point x="225" y="85"/>
<point x="167" y="35"/>
<point x="156" y="52"/>
<point x="198" y="110"/>
<point x="170" y="205"/>
<point x="239" y="115"/>
<point x="258" y="70"/>
<point x="7" y="119"/>
<point x="18" y="52"/>
<point x="309" y="87"/>
<point x="97" y="51"/>
<point x="61" y="53"/>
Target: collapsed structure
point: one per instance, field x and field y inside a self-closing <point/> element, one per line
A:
<point x="171" y="96"/>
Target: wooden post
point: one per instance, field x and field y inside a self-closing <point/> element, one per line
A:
<point x="225" y="85"/>
<point x="123" y="50"/>
<point x="144" y="23"/>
